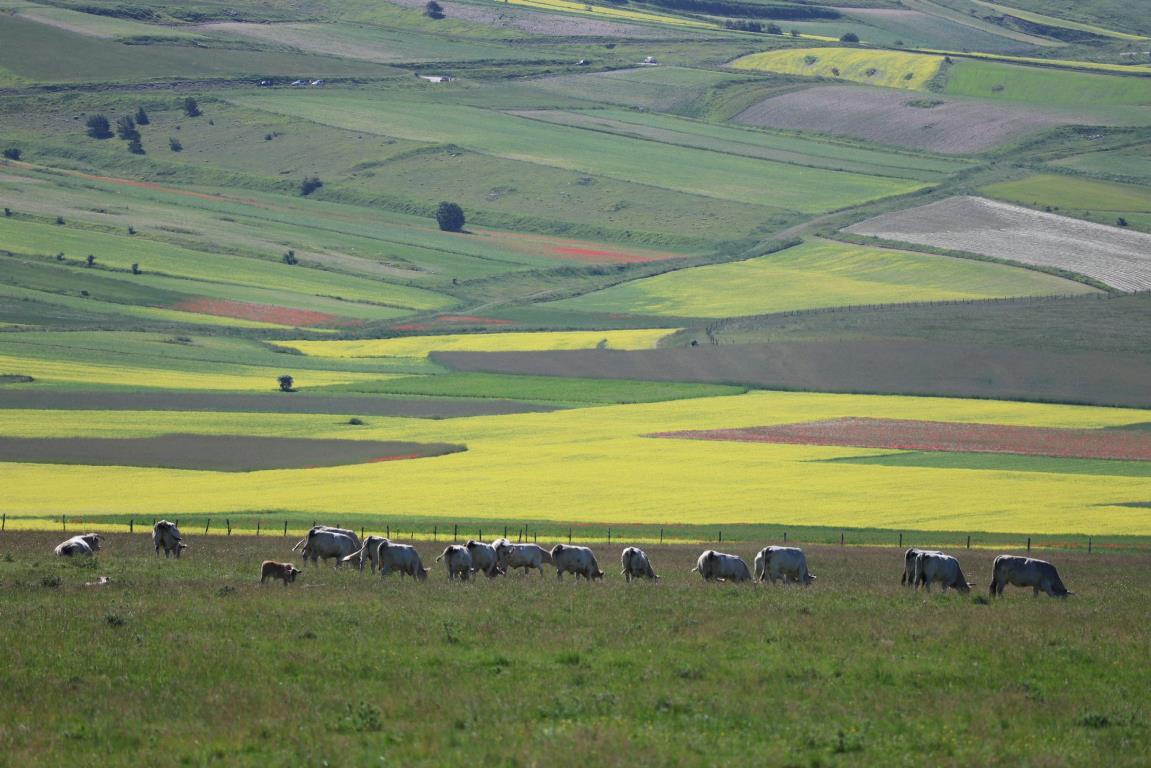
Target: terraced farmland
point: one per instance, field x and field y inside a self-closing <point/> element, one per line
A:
<point x="1116" y="257"/>
<point x="785" y="281"/>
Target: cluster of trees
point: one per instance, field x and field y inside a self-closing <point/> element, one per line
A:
<point x="750" y="10"/>
<point x="128" y="127"/>
<point x="434" y="10"/>
<point x="744" y="25"/>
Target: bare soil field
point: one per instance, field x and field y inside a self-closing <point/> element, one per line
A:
<point x="910" y="435"/>
<point x="866" y="367"/>
<point x="421" y="408"/>
<point x="1120" y="258"/>
<point x="217" y="453"/>
<point x="889" y="116"/>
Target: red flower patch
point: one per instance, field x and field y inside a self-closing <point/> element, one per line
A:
<point x="264" y="313"/>
<point x="910" y="435"/>
<point x="604" y="257"/>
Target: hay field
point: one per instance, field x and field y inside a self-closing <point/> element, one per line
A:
<point x="1044" y="86"/>
<point x="816" y="274"/>
<point x="890" y="69"/>
<point x="582" y="465"/>
<point x="1099" y="201"/>
<point x="1114" y="256"/>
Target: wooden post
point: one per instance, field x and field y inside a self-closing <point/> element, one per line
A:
<point x="609" y="535"/>
<point x="1088" y="545"/>
<point x="456" y="534"/>
<point x="130" y="524"/>
<point x="64" y="522"/>
<point x="785" y="537"/>
<point x="1028" y="543"/>
<point x="969" y="541"/>
<point x="4" y="522"/>
<point x="435" y="533"/>
<point x="721" y="537"/>
<point x="661" y="535"/>
<point x="505" y="531"/>
<point x="569" y="535"/>
<point x="228" y="523"/>
<point x="387" y="531"/>
<point x="900" y="539"/>
<point x="537" y="535"/>
<point x="206" y="524"/>
<point x="361" y="531"/>
<point x="285" y="529"/>
<point x="841" y="538"/>
<point x="521" y="538"/>
<point x="480" y="537"/>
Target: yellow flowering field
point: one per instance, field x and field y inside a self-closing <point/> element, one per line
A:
<point x="619" y="14"/>
<point x="421" y="346"/>
<point x="891" y="69"/>
<point x="594" y="465"/>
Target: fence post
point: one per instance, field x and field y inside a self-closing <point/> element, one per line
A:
<point x="569" y="535"/>
<point x="206" y="524"/>
<point x="4" y="522"/>
<point x="969" y="541"/>
<point x="537" y="535"/>
<point x="1028" y="543"/>
<point x="505" y="531"/>
<point x="285" y="529"/>
<point x="130" y="523"/>
<point x="721" y="537"/>
<point x="455" y="533"/>
<point x="228" y="523"/>
<point x="257" y="528"/>
<point x="64" y="522"/>
<point x="661" y="535"/>
<point x="387" y="531"/>
<point x="1088" y="545"/>
<point x="435" y="533"/>
<point x="521" y="536"/>
<point x="609" y="535"/>
<point x="361" y="531"/>
<point x="785" y="537"/>
<point x="901" y="539"/>
<point x="841" y="538"/>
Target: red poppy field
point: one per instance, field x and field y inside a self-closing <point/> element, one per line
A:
<point x="910" y="435"/>
<point x="264" y="313"/>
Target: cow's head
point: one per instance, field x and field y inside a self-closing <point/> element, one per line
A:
<point x="421" y="573"/>
<point x="291" y="572"/>
<point x="597" y="575"/>
<point x="93" y="540"/>
<point x="557" y="549"/>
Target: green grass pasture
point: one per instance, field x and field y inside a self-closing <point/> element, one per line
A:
<point x="592" y="670"/>
<point x="817" y="274"/>
<point x="1100" y="201"/>
<point x="1037" y="85"/>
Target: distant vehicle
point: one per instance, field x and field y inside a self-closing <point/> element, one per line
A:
<point x="649" y="60"/>
<point x="265" y="83"/>
<point x="582" y="63"/>
<point x="317" y="82"/>
<point x="299" y="82"/>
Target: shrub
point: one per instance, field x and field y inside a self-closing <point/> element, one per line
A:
<point x="126" y="128"/>
<point x="136" y="268"/>
<point x="356" y="421"/>
<point x="135" y="147"/>
<point x="290" y="258"/>
<point x="1121" y="222"/>
<point x="309" y="185"/>
<point x="60" y="220"/>
<point x="49" y="581"/>
<point x="175" y="145"/>
<point x="142" y="117"/>
<point x="286" y="383"/>
<point x="450" y="217"/>
<point x="774" y="29"/>
<point x="434" y="10"/>
<point x="115" y="620"/>
<point x="90" y="261"/>
<point x="98" y="127"/>
<point x="849" y="37"/>
<point x="7" y="212"/>
<point x="191" y="108"/>
<point x="12" y="153"/>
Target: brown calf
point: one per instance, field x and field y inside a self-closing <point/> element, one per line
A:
<point x="274" y="570"/>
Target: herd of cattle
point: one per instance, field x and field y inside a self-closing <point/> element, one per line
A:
<point x="921" y="567"/>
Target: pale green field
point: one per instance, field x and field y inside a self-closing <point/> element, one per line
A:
<point x="818" y="274"/>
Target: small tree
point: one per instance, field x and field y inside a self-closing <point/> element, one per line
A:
<point x="774" y="29"/>
<point x="450" y="217"/>
<point x="290" y="258"/>
<point x="136" y="268"/>
<point x="191" y="108"/>
<point x="135" y="147"/>
<point x="142" y="117"/>
<point x="99" y="127"/>
<point x="849" y="37"/>
<point x="126" y="128"/>
<point x="12" y="153"/>
<point x="309" y="185"/>
<point x="1121" y="222"/>
<point x="434" y="10"/>
<point x="60" y="220"/>
<point x="175" y="145"/>
<point x="7" y="212"/>
<point x="286" y="383"/>
<point x="90" y="261"/>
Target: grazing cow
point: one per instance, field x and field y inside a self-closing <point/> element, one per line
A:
<point x="84" y="544"/>
<point x="167" y="535"/>
<point x="273" y="570"/>
<point x="1026" y="572"/>
<point x="347" y="532"/>
<point x="458" y="560"/>
<point x="370" y="551"/>
<point x="484" y="558"/>
<point x="325" y="545"/>
<point x="403" y="558"/>
<point x="936" y="566"/>
<point x="526" y="556"/>
<point x="786" y="563"/>
<point x="577" y="560"/>
<point x="636" y="565"/>
<point x="717" y="566"/>
<point x="908" y="577"/>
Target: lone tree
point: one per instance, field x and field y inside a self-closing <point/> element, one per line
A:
<point x="12" y="153"/>
<point x="90" y="261"/>
<point x="309" y="185"/>
<point x="290" y="258"/>
<point x="191" y="108"/>
<point x="450" y="217"/>
<point x="286" y="383"/>
<point x="99" y="127"/>
<point x="849" y="37"/>
<point x="175" y="145"/>
<point x="434" y="10"/>
<point x="135" y="147"/>
<point x="142" y="117"/>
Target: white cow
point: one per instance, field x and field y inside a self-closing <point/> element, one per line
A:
<point x="485" y="559"/>
<point x="458" y="560"/>
<point x="578" y="560"/>
<point x="403" y="558"/>
<point x="717" y="566"/>
<point x="786" y="563"/>
<point x="908" y="577"/>
<point x="636" y="565"/>
<point x="325" y="545"/>
<point x="526" y="556"/>
<point x="167" y="535"/>
<point x="84" y="544"/>
<point x="347" y="532"/>
<point x="370" y="551"/>
<point x="936" y="566"/>
<point x="1026" y="572"/>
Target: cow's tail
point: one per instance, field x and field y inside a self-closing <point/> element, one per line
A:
<point x="300" y="543"/>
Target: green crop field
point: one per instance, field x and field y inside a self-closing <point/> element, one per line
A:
<point x="817" y="274"/>
<point x="246" y="307"/>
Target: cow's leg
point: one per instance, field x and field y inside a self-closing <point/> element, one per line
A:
<point x="1035" y="591"/>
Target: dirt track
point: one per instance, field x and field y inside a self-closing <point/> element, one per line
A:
<point x="218" y="453"/>
<point x="414" y="408"/>
<point x="911" y="368"/>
